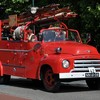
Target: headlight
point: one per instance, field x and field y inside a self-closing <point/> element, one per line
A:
<point x="65" y="63"/>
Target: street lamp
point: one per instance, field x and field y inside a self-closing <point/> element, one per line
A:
<point x="33" y="3"/>
<point x="33" y="9"/>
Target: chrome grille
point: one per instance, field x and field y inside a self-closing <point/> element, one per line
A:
<point x="83" y="65"/>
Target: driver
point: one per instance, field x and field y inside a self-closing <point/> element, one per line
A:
<point x="60" y="35"/>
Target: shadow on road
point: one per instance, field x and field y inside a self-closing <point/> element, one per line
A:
<point x="74" y="87"/>
<point x="37" y="85"/>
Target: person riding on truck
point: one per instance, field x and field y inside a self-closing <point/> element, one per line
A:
<point x="18" y="33"/>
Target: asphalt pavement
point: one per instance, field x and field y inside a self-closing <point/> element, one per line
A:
<point x="22" y="89"/>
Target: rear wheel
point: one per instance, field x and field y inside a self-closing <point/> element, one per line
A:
<point x="50" y="81"/>
<point x="93" y="84"/>
<point x="5" y="79"/>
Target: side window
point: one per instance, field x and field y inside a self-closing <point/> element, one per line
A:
<point x="73" y="36"/>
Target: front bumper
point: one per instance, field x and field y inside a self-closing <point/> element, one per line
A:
<point x="79" y="75"/>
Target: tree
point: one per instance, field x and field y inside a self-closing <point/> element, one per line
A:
<point x="8" y="7"/>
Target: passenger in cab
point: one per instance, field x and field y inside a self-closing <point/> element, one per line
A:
<point x="31" y="36"/>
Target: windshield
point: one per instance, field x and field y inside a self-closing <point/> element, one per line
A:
<point x="60" y="35"/>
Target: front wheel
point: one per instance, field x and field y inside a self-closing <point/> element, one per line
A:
<point x="93" y="84"/>
<point x="50" y="81"/>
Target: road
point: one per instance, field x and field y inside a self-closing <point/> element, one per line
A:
<point x="22" y="89"/>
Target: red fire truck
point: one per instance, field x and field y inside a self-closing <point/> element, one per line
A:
<point x="56" y="55"/>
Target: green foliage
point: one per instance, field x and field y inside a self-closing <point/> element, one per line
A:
<point x="13" y="7"/>
<point x="20" y="1"/>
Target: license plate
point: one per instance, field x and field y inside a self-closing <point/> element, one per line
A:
<point x="91" y="75"/>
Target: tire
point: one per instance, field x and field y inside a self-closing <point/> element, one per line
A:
<point x="50" y="81"/>
<point x="1" y="80"/>
<point x="6" y="79"/>
<point x="93" y="84"/>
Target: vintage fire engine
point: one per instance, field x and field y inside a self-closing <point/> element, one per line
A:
<point x="56" y="55"/>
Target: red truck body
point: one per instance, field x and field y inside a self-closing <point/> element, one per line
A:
<point x="50" y="59"/>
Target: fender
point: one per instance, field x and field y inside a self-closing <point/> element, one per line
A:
<point x="51" y="61"/>
<point x="1" y="69"/>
